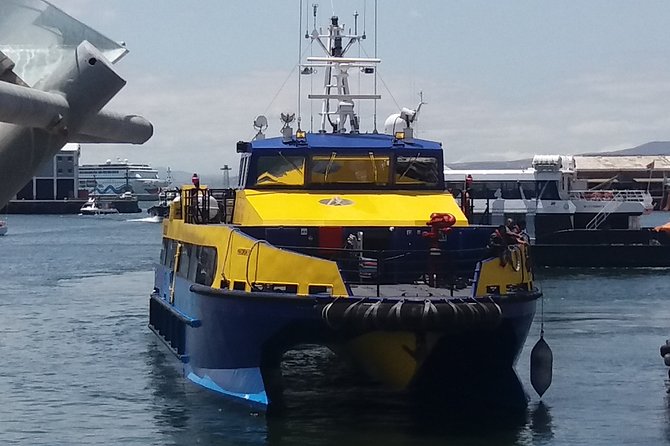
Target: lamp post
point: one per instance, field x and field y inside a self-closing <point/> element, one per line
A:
<point x="226" y="175"/>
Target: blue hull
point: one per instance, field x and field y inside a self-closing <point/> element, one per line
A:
<point x="232" y="343"/>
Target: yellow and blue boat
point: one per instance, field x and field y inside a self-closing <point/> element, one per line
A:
<point x="347" y="240"/>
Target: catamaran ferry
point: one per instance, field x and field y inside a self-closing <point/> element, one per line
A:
<point x="348" y="240"/>
<point x="117" y="177"/>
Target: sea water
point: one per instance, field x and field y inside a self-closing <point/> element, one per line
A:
<point x="78" y="364"/>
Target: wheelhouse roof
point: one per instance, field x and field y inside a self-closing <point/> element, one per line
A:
<point x="347" y="141"/>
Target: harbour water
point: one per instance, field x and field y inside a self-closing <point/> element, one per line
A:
<point x="79" y="365"/>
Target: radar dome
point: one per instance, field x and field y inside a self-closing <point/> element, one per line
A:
<point x="394" y="123"/>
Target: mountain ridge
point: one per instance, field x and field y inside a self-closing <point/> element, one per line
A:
<point x="658" y="148"/>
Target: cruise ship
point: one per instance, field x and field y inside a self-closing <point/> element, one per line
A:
<point x="117" y="177"/>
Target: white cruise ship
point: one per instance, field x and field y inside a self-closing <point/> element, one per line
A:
<point x="117" y="177"/>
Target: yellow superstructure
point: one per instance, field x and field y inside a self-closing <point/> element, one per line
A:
<point x="311" y="208"/>
<point x="244" y="262"/>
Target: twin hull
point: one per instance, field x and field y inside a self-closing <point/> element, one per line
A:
<point x="232" y="342"/>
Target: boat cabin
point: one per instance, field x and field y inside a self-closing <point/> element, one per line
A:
<point x="318" y="161"/>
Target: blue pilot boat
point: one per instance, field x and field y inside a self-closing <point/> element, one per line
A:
<point x="347" y="240"/>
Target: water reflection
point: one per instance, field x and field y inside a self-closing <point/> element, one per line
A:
<point x="328" y="403"/>
<point x="185" y="414"/>
<point x="541" y="425"/>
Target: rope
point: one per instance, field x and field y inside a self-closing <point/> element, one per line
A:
<point x="542" y="317"/>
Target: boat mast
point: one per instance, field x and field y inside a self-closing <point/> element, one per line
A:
<point x="336" y="82"/>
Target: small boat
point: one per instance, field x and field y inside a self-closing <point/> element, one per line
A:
<point x="96" y="207"/>
<point x="3" y="227"/>
<point x="162" y="208"/>
<point x="348" y="240"/>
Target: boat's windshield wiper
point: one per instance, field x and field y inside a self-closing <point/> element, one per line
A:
<point x="290" y="162"/>
<point x="330" y="164"/>
<point x="374" y="165"/>
<point x="411" y="164"/>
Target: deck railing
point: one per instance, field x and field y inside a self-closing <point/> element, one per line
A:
<point x="438" y="268"/>
<point x="198" y="206"/>
<point x="610" y="195"/>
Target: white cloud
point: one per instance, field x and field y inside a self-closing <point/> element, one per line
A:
<point x="197" y="126"/>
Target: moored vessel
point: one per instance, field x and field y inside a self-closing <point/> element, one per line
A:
<point x="347" y="240"/>
<point x="568" y="225"/>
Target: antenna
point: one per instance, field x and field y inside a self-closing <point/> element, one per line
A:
<point x="260" y="124"/>
<point x="286" y="118"/>
<point x="315" y="6"/>
<point x="374" y="114"/>
<point x="336" y="43"/>
<point x="299" y="57"/>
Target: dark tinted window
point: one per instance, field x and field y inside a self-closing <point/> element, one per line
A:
<point x="547" y="190"/>
<point x="184" y="259"/>
<point x="206" y="266"/>
<point x="418" y="170"/>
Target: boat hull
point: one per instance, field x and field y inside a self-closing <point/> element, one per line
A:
<point x="233" y="342"/>
<point x="604" y="256"/>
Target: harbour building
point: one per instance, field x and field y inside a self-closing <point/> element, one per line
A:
<point x="56" y="179"/>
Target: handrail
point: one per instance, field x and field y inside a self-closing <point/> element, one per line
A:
<point x="452" y="269"/>
<point x="609" y="195"/>
<point x="611" y="206"/>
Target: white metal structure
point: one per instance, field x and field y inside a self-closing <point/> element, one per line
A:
<point x="336" y="80"/>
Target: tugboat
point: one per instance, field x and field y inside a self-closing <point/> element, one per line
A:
<point x="347" y="240"/>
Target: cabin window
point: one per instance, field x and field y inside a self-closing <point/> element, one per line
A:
<point x="206" y="266"/>
<point x="184" y="259"/>
<point x="244" y="167"/>
<point x="548" y="190"/>
<point x="280" y="170"/>
<point x="510" y="190"/>
<point x="417" y="170"/>
<point x="164" y="248"/>
<point x="193" y="266"/>
<point x="336" y="168"/>
<point x="171" y="252"/>
<point x="528" y="189"/>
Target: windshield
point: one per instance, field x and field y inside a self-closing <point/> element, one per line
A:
<point x="360" y="169"/>
<point x="280" y="170"/>
<point x="338" y="168"/>
<point x="417" y="170"/>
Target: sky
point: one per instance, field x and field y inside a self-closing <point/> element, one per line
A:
<point x="502" y="80"/>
